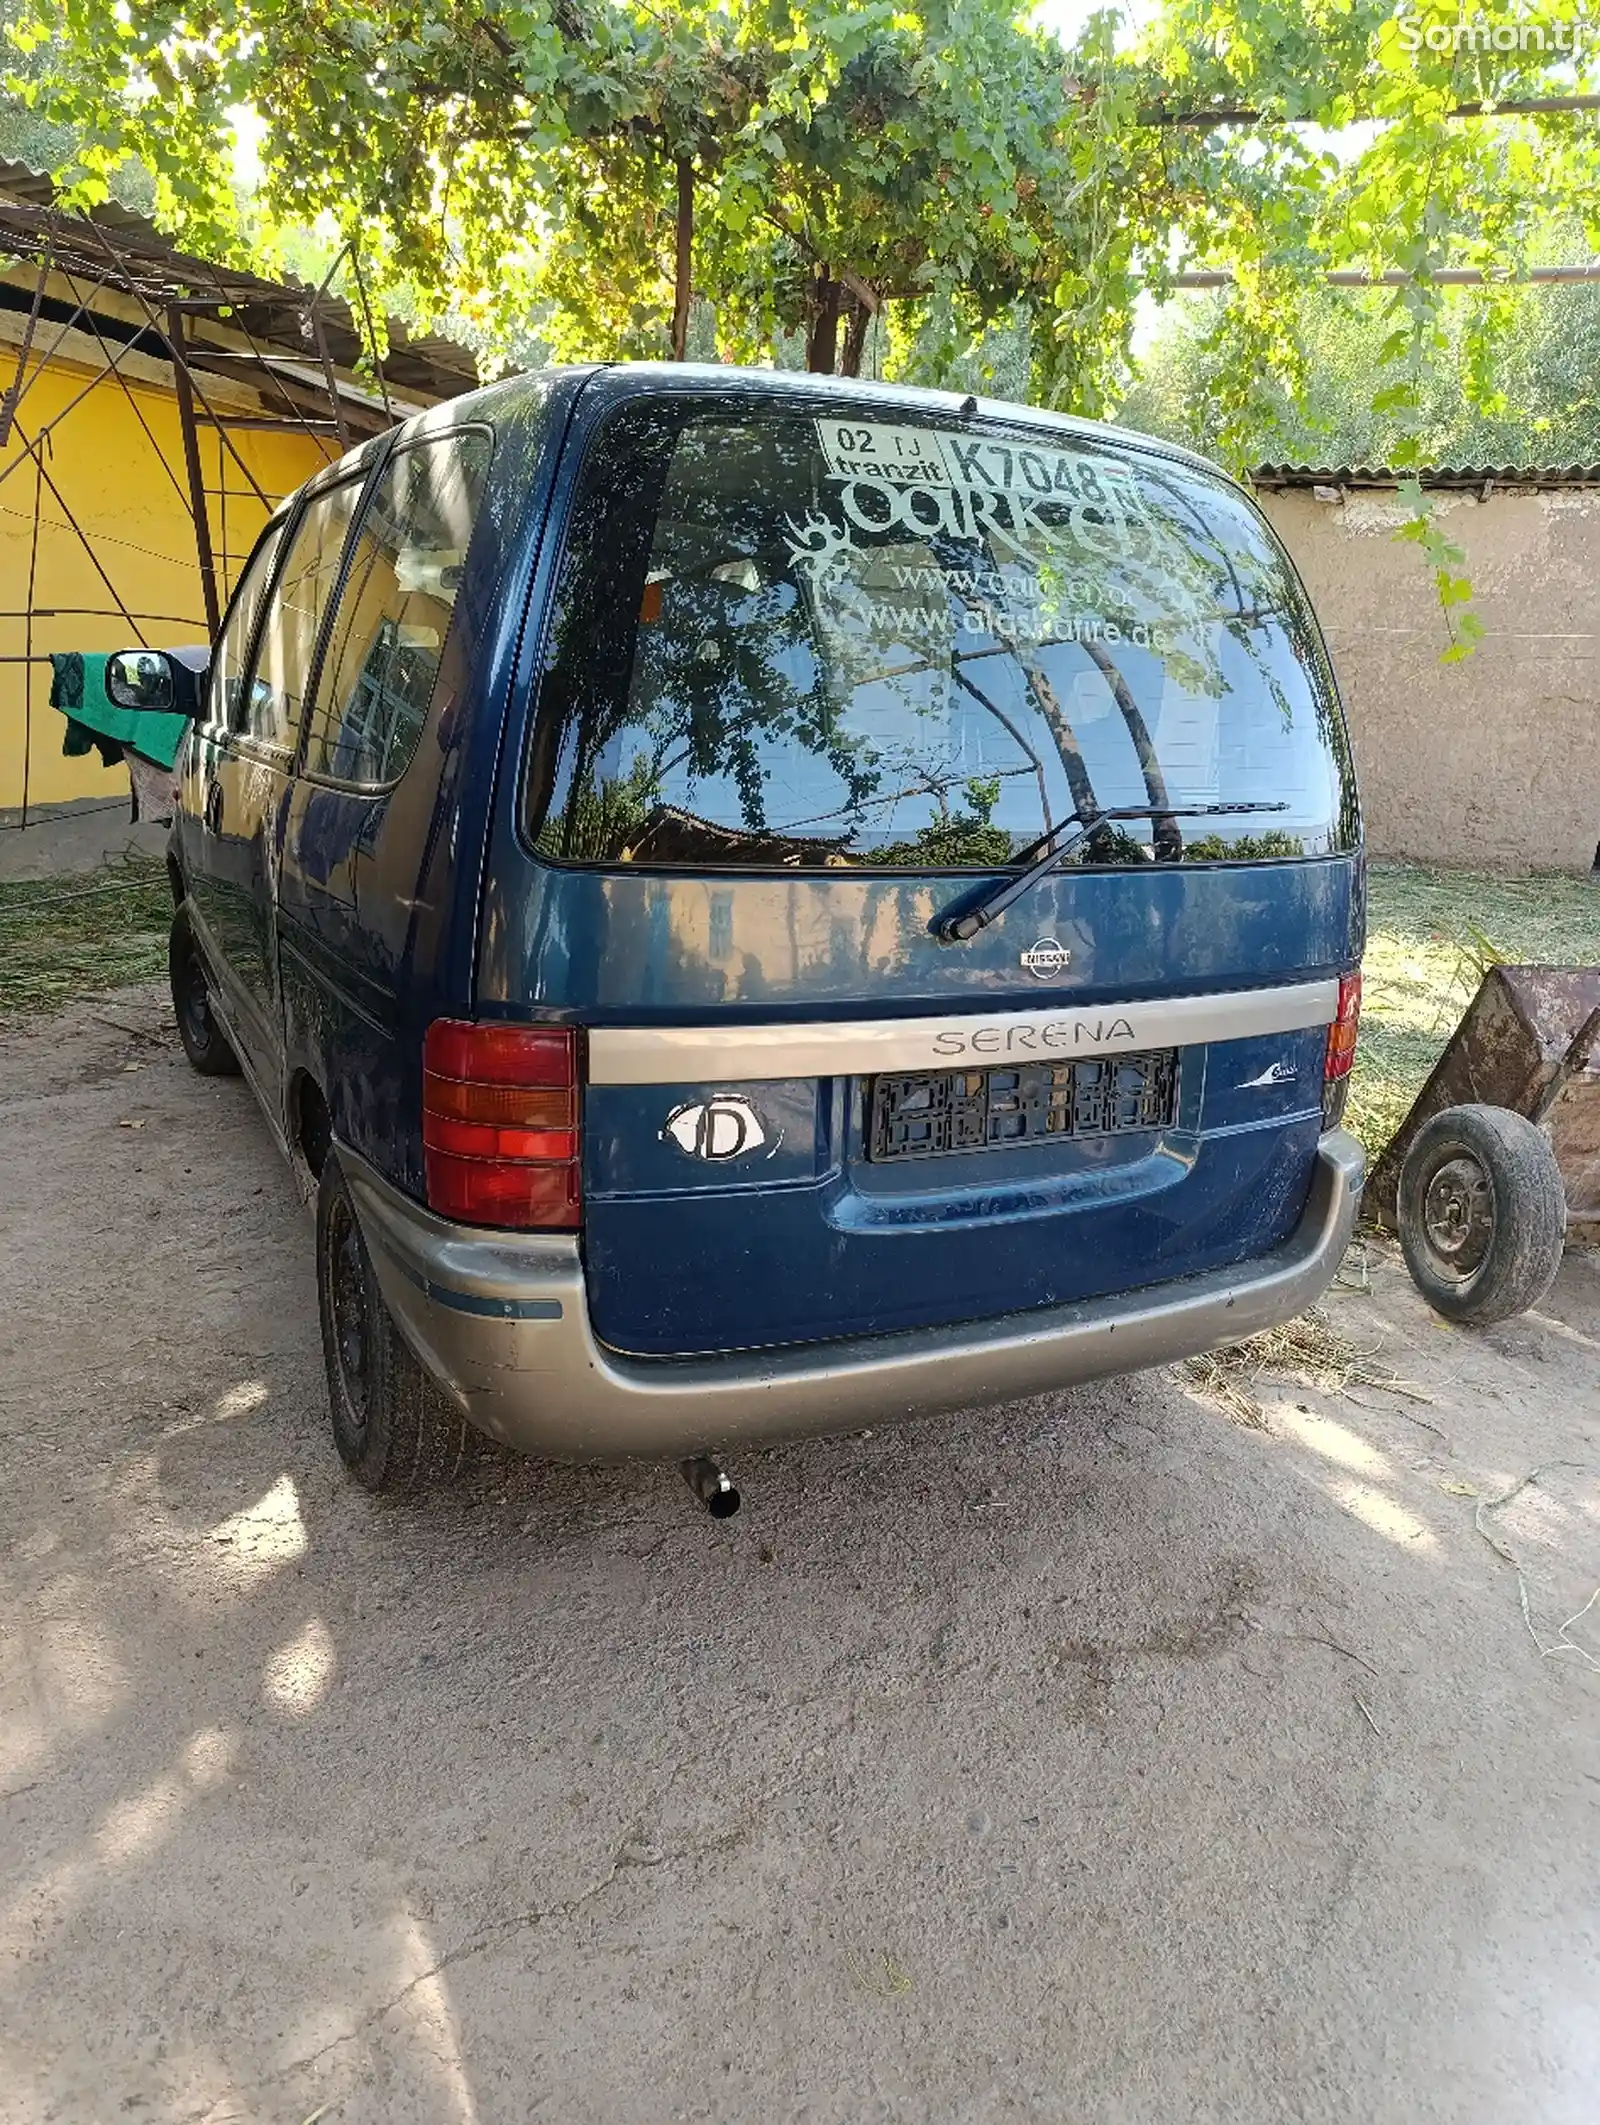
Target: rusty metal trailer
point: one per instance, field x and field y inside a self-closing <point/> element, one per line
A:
<point x="1499" y="1157"/>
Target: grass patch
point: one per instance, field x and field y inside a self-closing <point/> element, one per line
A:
<point x="61" y="938"/>
<point x="1431" y="935"/>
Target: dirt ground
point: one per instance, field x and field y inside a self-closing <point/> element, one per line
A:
<point x="1095" y="1759"/>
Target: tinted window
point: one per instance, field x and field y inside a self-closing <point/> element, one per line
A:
<point x="233" y="644"/>
<point x="394" y="612"/>
<point x="794" y="640"/>
<point x="293" y="619"/>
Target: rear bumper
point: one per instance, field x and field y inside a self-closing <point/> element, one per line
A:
<point x="502" y="1322"/>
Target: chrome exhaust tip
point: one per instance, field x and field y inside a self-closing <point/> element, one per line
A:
<point x="711" y="1486"/>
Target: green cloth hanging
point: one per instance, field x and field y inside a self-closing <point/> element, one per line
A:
<point x="78" y="689"/>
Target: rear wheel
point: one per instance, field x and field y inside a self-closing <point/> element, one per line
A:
<point x="204" y="1041"/>
<point x="393" y="1428"/>
<point x="1482" y="1213"/>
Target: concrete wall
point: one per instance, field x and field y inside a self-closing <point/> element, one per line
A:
<point x="1492" y="763"/>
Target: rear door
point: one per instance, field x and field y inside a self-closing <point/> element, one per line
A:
<point x="212" y="874"/>
<point x="816" y="681"/>
<point x="361" y="849"/>
<point x="249" y="772"/>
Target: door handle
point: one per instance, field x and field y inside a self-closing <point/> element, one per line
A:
<point x="213" y="807"/>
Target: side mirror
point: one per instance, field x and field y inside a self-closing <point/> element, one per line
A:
<point x="165" y="682"/>
<point x="143" y="679"/>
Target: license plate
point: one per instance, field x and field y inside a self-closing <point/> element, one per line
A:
<point x="936" y="1112"/>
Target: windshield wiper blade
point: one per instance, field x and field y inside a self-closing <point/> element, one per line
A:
<point x="956" y="929"/>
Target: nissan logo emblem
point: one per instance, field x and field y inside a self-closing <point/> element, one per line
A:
<point x="1049" y="956"/>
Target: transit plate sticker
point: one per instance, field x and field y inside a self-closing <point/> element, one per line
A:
<point x="928" y="457"/>
<point x="867" y="450"/>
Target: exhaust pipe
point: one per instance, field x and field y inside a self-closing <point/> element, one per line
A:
<point x="711" y="1487"/>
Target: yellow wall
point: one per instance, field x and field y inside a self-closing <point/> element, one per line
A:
<point x="129" y="492"/>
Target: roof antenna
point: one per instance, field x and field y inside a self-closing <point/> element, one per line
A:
<point x="969" y="406"/>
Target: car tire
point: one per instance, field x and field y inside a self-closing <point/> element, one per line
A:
<point x="1482" y="1213"/>
<point x="394" y="1430"/>
<point x="204" y="1041"/>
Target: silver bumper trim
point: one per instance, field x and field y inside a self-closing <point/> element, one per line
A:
<point x="730" y="1053"/>
<point x="502" y="1322"/>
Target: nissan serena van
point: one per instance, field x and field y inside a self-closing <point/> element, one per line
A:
<point x="768" y="904"/>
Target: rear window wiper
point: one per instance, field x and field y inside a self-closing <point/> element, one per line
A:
<point x="956" y="929"/>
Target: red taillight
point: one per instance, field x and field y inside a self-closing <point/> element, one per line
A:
<point x="500" y="1124"/>
<point x="481" y="1191"/>
<point x="1339" y="1058"/>
<point x="501" y="1054"/>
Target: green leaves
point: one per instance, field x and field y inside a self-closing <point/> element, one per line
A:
<point x="993" y="206"/>
<point x="1445" y="557"/>
<point x="1419" y="189"/>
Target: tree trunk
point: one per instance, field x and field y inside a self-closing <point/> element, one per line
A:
<point x="683" y="275"/>
<point x="1168" y="835"/>
<point x="855" y="338"/>
<point x="1085" y="804"/>
<point x="822" y="335"/>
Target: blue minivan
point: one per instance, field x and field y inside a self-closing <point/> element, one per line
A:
<point x="768" y="904"/>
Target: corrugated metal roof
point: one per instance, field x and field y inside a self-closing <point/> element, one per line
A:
<point x="274" y="313"/>
<point x="1466" y="476"/>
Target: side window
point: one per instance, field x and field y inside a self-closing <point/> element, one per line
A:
<point x="271" y="709"/>
<point x="388" y="638"/>
<point x="233" y="644"/>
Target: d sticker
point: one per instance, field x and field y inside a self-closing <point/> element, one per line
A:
<point x="718" y="1128"/>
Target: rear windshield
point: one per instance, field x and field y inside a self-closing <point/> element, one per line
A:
<point x="807" y="641"/>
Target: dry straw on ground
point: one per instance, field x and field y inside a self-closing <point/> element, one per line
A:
<point x="1308" y="1348"/>
<point x="62" y="938"/>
